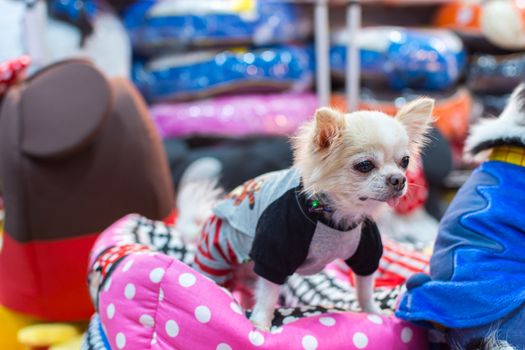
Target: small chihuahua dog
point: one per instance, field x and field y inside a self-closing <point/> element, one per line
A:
<point x="300" y="219"/>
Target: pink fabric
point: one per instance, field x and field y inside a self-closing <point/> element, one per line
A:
<point x="153" y="301"/>
<point x="417" y="193"/>
<point x="236" y="115"/>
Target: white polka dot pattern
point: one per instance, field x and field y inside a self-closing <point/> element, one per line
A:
<point x="147" y="321"/>
<point x="172" y="328"/>
<point x="406" y="335"/>
<point x="129" y="291"/>
<point x="256" y="338"/>
<point x="202" y="314"/>
<point x="156" y="275"/>
<point x="327" y="321"/>
<point x="187" y="280"/>
<point x="110" y="311"/>
<point x="309" y="342"/>
<point x="360" y="340"/>
<point x="120" y="340"/>
<point x="375" y="319"/>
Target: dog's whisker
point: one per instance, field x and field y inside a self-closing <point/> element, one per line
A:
<point x="413" y="184"/>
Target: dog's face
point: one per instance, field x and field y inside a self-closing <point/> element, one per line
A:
<point x="359" y="159"/>
<point x="507" y="129"/>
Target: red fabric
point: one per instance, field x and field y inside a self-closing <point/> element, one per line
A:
<point x="46" y="279"/>
<point x="212" y="227"/>
<point x="172" y="218"/>
<point x="107" y="259"/>
<point x="417" y="192"/>
<point x="397" y="264"/>
<point x="12" y="71"/>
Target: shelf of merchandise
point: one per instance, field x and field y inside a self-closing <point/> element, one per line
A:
<point x="35" y="21"/>
<point x="353" y="25"/>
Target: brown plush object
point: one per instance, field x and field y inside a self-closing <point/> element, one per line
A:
<point x="77" y="152"/>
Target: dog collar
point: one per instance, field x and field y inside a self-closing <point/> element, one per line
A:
<point x="509" y="154"/>
<point x="318" y="205"/>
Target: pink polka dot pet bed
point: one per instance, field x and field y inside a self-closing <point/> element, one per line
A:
<point x="148" y="297"/>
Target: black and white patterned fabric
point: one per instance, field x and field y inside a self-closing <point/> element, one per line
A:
<point x="326" y="290"/>
<point x="283" y="316"/>
<point x="93" y="338"/>
<point x="138" y="234"/>
<point x="162" y="238"/>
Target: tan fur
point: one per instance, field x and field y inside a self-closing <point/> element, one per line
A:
<point x="414" y="116"/>
<point x="328" y="125"/>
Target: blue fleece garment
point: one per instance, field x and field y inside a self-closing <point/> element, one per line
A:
<point x="477" y="272"/>
<point x="509" y="329"/>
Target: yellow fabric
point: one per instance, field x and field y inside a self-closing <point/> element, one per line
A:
<point x="47" y="334"/>
<point x="244" y="6"/>
<point x="509" y="154"/>
<point x="74" y="344"/>
<point x="10" y="323"/>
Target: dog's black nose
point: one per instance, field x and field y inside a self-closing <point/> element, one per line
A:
<point x="396" y="181"/>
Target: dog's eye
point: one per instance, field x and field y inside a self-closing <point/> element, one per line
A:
<point x="405" y="161"/>
<point x="364" y="167"/>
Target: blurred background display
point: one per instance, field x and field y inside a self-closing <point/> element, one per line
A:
<point x="227" y="82"/>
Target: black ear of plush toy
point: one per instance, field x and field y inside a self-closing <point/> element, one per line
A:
<point x="237" y="159"/>
<point x="437" y="164"/>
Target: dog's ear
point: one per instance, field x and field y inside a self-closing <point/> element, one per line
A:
<point x="416" y="117"/>
<point x="328" y="125"/>
<point x="62" y="108"/>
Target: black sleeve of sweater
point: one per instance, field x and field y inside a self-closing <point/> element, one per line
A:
<point x="282" y="239"/>
<point x="365" y="261"/>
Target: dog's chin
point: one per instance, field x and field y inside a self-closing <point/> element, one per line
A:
<point x="391" y="199"/>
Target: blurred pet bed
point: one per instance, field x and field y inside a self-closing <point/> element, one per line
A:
<point x="199" y="74"/>
<point x="236" y="115"/>
<point x="403" y="58"/>
<point x="146" y="296"/>
<point x="281" y="114"/>
<point x="496" y="74"/>
<point x="155" y="26"/>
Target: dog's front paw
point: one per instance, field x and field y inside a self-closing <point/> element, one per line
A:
<point x="261" y="322"/>
<point x="372" y="308"/>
